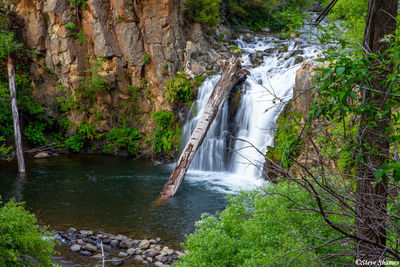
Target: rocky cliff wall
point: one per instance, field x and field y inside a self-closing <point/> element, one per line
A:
<point x="141" y="43"/>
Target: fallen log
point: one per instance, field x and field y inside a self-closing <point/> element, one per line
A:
<point x="232" y="74"/>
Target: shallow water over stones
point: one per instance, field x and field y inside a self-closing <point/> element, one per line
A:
<point x="113" y="195"/>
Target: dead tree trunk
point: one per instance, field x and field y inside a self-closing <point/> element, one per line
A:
<point x="17" y="131"/>
<point x="231" y="75"/>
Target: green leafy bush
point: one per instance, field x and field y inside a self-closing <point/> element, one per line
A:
<point x="34" y="133"/>
<point x="4" y="149"/>
<point x="93" y="82"/>
<point x="70" y="26"/>
<point x="179" y="89"/>
<point x="166" y="133"/>
<point x="75" y="143"/>
<point x="21" y="240"/>
<point x="204" y="11"/>
<point x="122" y="137"/>
<point x="145" y="59"/>
<point x="262" y="228"/>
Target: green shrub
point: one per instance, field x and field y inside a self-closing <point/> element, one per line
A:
<point x="166" y="133"/>
<point x="70" y="26"/>
<point x="34" y="133"/>
<point x="75" y="143"/>
<point x="21" y="240"/>
<point x="93" y="82"/>
<point x="262" y="228"/>
<point x="204" y="11"/>
<point x="4" y="149"/>
<point x="145" y="59"/>
<point x="179" y="89"/>
<point x="122" y="137"/>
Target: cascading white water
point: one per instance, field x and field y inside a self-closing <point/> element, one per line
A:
<point x="264" y="95"/>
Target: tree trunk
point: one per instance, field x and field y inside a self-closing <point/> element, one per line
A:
<point x="17" y="131"/>
<point x="231" y="75"/>
<point x="374" y="141"/>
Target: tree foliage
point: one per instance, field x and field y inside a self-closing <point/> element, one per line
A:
<point x="22" y="241"/>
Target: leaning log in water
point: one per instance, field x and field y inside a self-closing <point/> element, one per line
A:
<point x="231" y="75"/>
<point x="17" y="131"/>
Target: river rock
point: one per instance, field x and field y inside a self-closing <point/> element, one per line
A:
<point x="170" y="251"/>
<point x="153" y="241"/>
<point x="138" y="258"/>
<point x="149" y="259"/>
<point x="152" y="252"/>
<point x="144" y="244"/>
<point x="298" y="60"/>
<point x="120" y="237"/>
<point x="114" y="243"/>
<point x="91" y="247"/>
<point x="85" y="253"/>
<point x="123" y="254"/>
<point x="180" y="253"/>
<point x="80" y="242"/>
<point x="122" y="244"/>
<point x="131" y="251"/>
<point x="42" y="155"/>
<point x="158" y="239"/>
<point x="256" y="58"/>
<point x="71" y="230"/>
<point x="75" y="248"/>
<point x="117" y="261"/>
<point x="165" y="249"/>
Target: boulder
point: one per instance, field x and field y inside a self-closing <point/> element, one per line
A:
<point x="42" y="155"/>
<point x="144" y="244"/>
<point x="75" y="248"/>
<point x="123" y="254"/>
<point x="90" y="247"/>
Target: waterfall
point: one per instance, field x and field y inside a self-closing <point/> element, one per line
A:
<point x="264" y="95"/>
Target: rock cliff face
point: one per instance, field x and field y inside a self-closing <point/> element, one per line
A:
<point x="141" y="43"/>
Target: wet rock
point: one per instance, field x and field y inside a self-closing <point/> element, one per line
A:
<point x="283" y="49"/>
<point x="138" y="258"/>
<point x="123" y="254"/>
<point x="91" y="247"/>
<point x="120" y="237"/>
<point x="293" y="35"/>
<point x="122" y="244"/>
<point x="270" y="51"/>
<point x="114" y="243"/>
<point x="296" y="52"/>
<point x="71" y="230"/>
<point x="117" y="261"/>
<point x="152" y="252"/>
<point x="42" y="155"/>
<point x="131" y="251"/>
<point x="85" y="253"/>
<point x="256" y="58"/>
<point x="75" y="248"/>
<point x="298" y="60"/>
<point x="144" y="244"/>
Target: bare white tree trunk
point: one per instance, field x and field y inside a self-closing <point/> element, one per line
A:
<point x="231" y="75"/>
<point x="17" y="130"/>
